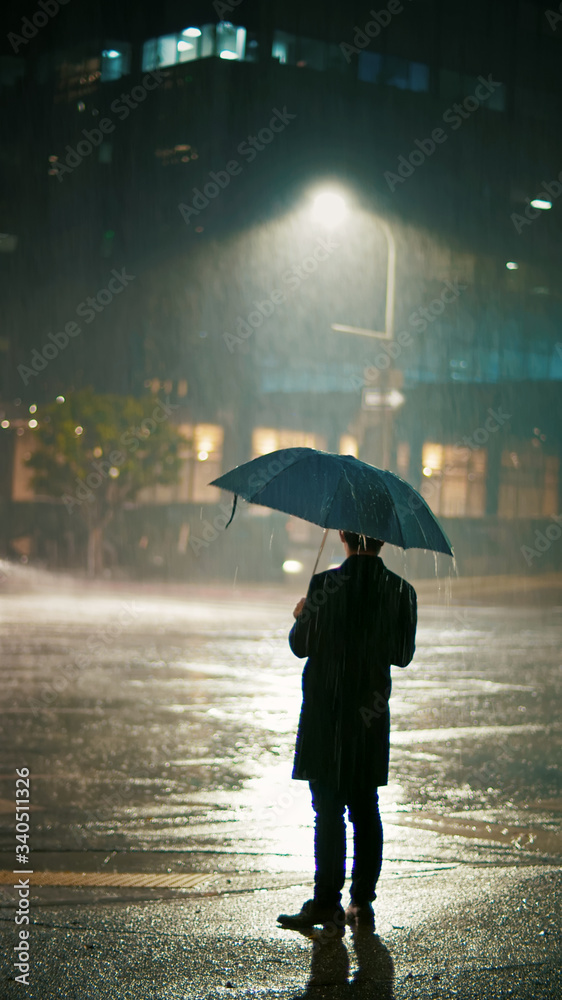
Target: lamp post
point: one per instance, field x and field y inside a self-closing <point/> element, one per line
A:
<point x="388" y="332"/>
<point x="330" y="208"/>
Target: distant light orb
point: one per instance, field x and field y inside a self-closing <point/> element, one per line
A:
<point x="184" y="46"/>
<point x="78" y="430"/>
<point x="192" y="32"/>
<point x="98" y="452"/>
<point x="60" y="399"/>
<point x="5" y="424"/>
<point x="202" y="456"/>
<point x="292" y="566"/>
<point x="541" y="203"/>
<point x="32" y="424"/>
<point x="113" y="472"/>
<point x="228" y="54"/>
<point x="512" y="265"/>
<point x="33" y="408"/>
<point x="111" y="53"/>
<point x="329" y="208"/>
<point x="428" y="471"/>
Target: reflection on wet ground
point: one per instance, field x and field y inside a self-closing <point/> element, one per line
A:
<point x="168" y="725"/>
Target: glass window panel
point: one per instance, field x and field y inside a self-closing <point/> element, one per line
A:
<point x="268" y="439"/>
<point x="230" y="41"/>
<point x="369" y="68"/>
<point x="115" y="61"/>
<point x="201" y="462"/>
<point x="551" y="472"/>
<point x="348" y="445"/>
<point x="528" y="483"/>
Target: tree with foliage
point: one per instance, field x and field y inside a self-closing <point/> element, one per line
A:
<point x="96" y="452"/>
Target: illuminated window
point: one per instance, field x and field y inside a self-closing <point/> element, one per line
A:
<point x="267" y="439"/>
<point x="230" y="41"/>
<point x="348" y="445"/>
<point x="115" y="61"/>
<point x="226" y="40"/>
<point x="77" y="77"/>
<point x="182" y="152"/>
<point x="432" y="458"/>
<point x="292" y="50"/>
<point x="393" y="71"/>
<point x="454" y="480"/>
<point x="201" y="462"/>
<point x="22" y="477"/>
<point x="171" y="49"/>
<point x="528" y="482"/>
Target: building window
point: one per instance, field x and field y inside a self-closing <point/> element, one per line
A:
<point x="528" y="483"/>
<point x="454" y="483"/>
<point x="115" y="61"/>
<point x="230" y="41"/>
<point x="348" y="445"/>
<point x="226" y="40"/>
<point x="309" y="53"/>
<point x="22" y="477"/>
<point x="268" y="439"/>
<point x="393" y="71"/>
<point x="202" y="462"/>
<point x="77" y="77"/>
<point x="455" y="86"/>
<point x="171" y="49"/>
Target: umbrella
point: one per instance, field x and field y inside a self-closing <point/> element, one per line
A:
<point x="338" y="491"/>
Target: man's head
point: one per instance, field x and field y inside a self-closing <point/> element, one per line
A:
<point x="360" y="545"/>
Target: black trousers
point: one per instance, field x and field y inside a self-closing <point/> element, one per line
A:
<point x="330" y="842"/>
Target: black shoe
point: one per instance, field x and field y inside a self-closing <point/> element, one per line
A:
<point x="360" y="915"/>
<point x="313" y="913"/>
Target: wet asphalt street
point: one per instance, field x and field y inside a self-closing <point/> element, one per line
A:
<point x="158" y="729"/>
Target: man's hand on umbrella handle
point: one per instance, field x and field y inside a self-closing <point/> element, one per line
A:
<point x="299" y="607"/>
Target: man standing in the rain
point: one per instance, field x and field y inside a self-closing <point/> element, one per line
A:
<point x="354" y="623"/>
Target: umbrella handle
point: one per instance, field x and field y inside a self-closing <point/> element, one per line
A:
<point x="322" y="544"/>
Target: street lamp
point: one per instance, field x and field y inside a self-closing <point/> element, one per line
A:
<point x="329" y="208"/>
<point x="388" y="332"/>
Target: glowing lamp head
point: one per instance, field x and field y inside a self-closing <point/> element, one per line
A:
<point x="329" y="208"/>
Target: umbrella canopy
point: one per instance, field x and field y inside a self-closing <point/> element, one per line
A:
<point x="338" y="491"/>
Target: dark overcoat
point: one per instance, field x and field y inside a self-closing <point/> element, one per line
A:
<point x="357" y="620"/>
